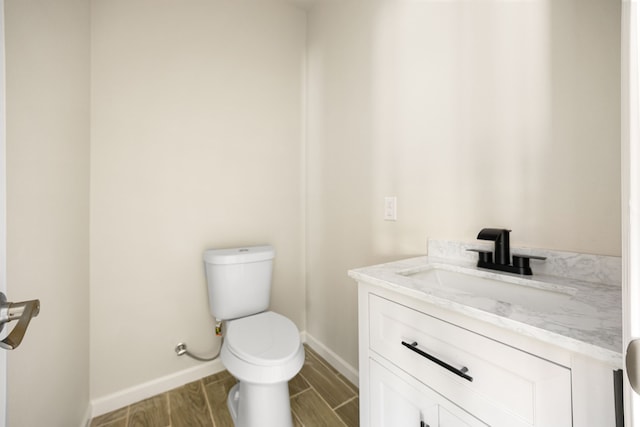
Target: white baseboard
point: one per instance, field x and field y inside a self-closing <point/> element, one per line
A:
<point x="151" y="388"/>
<point x="333" y="359"/>
<point x="143" y="391"/>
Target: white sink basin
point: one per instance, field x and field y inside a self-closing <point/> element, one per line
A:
<point x="524" y="292"/>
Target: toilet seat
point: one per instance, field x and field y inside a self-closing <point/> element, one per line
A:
<point x="265" y="339"/>
<point x="262" y="348"/>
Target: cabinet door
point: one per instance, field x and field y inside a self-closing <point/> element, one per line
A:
<point x="396" y="403"/>
<point x="399" y="401"/>
<point x="447" y="419"/>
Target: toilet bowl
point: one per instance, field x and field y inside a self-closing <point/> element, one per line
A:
<point x="263" y="352"/>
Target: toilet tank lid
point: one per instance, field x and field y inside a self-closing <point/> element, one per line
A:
<point x="239" y="255"/>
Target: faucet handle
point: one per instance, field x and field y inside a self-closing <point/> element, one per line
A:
<point x="483" y="256"/>
<point x="521" y="262"/>
<point x="541" y="258"/>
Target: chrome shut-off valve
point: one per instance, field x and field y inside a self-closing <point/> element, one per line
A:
<point x="23" y="312"/>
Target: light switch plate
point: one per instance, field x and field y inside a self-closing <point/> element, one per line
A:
<point x="390" y="208"/>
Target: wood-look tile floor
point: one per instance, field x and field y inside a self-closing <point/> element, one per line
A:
<point x="320" y="396"/>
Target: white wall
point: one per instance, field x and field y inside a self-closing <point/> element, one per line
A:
<point x="474" y="114"/>
<point x="47" y="84"/>
<point x="196" y="119"/>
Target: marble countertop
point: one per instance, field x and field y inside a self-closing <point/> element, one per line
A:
<point x="588" y="320"/>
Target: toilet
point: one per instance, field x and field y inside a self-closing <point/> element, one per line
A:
<point x="262" y="349"/>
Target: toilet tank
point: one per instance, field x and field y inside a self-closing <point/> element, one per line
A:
<point x="238" y="280"/>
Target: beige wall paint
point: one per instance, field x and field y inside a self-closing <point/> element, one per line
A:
<point x="47" y="95"/>
<point x="473" y="114"/>
<point x="196" y="132"/>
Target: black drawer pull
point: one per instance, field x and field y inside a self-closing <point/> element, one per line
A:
<point x="459" y="372"/>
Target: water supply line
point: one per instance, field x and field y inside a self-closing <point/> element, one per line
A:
<point x="181" y="348"/>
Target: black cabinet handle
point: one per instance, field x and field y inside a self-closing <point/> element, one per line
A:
<point x="459" y="372"/>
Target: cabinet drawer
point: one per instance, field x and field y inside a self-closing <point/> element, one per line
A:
<point x="504" y="386"/>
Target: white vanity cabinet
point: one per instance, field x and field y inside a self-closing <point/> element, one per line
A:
<point x="424" y="365"/>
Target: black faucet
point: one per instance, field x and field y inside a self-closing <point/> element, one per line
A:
<point x="500" y="237"/>
<point x="502" y="253"/>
